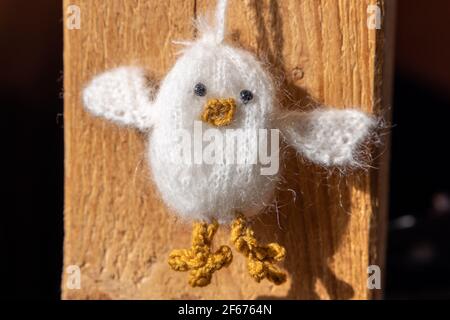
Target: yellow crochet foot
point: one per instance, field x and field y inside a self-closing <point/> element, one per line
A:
<point x="199" y="259"/>
<point x="261" y="259"/>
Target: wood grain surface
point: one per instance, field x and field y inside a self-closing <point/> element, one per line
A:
<point x="119" y="232"/>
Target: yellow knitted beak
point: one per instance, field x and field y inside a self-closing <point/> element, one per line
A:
<point x="219" y="112"/>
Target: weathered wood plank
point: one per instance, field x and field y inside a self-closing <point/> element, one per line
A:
<point x="116" y="228"/>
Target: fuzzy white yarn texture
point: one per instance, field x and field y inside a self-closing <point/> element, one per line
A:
<point x="328" y="137"/>
<point x="200" y="191"/>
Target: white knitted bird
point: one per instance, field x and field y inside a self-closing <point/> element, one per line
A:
<point x="223" y="95"/>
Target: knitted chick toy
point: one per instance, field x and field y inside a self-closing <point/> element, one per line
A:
<point x="224" y="91"/>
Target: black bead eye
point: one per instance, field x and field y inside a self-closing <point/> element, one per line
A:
<point x="200" y="89"/>
<point x="246" y="96"/>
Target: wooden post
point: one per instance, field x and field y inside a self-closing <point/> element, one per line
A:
<point x="119" y="233"/>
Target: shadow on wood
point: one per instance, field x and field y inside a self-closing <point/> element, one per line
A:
<point x="321" y="235"/>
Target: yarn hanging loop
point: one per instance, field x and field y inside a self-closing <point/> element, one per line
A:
<point x="220" y="22"/>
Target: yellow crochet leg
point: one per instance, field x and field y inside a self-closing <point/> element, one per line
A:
<point x="199" y="259"/>
<point x="261" y="259"/>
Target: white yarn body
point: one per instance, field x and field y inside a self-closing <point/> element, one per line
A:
<point x="204" y="190"/>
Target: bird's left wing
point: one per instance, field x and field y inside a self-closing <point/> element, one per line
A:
<point x="326" y="136"/>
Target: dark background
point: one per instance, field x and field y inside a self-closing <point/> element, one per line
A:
<point x="418" y="257"/>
